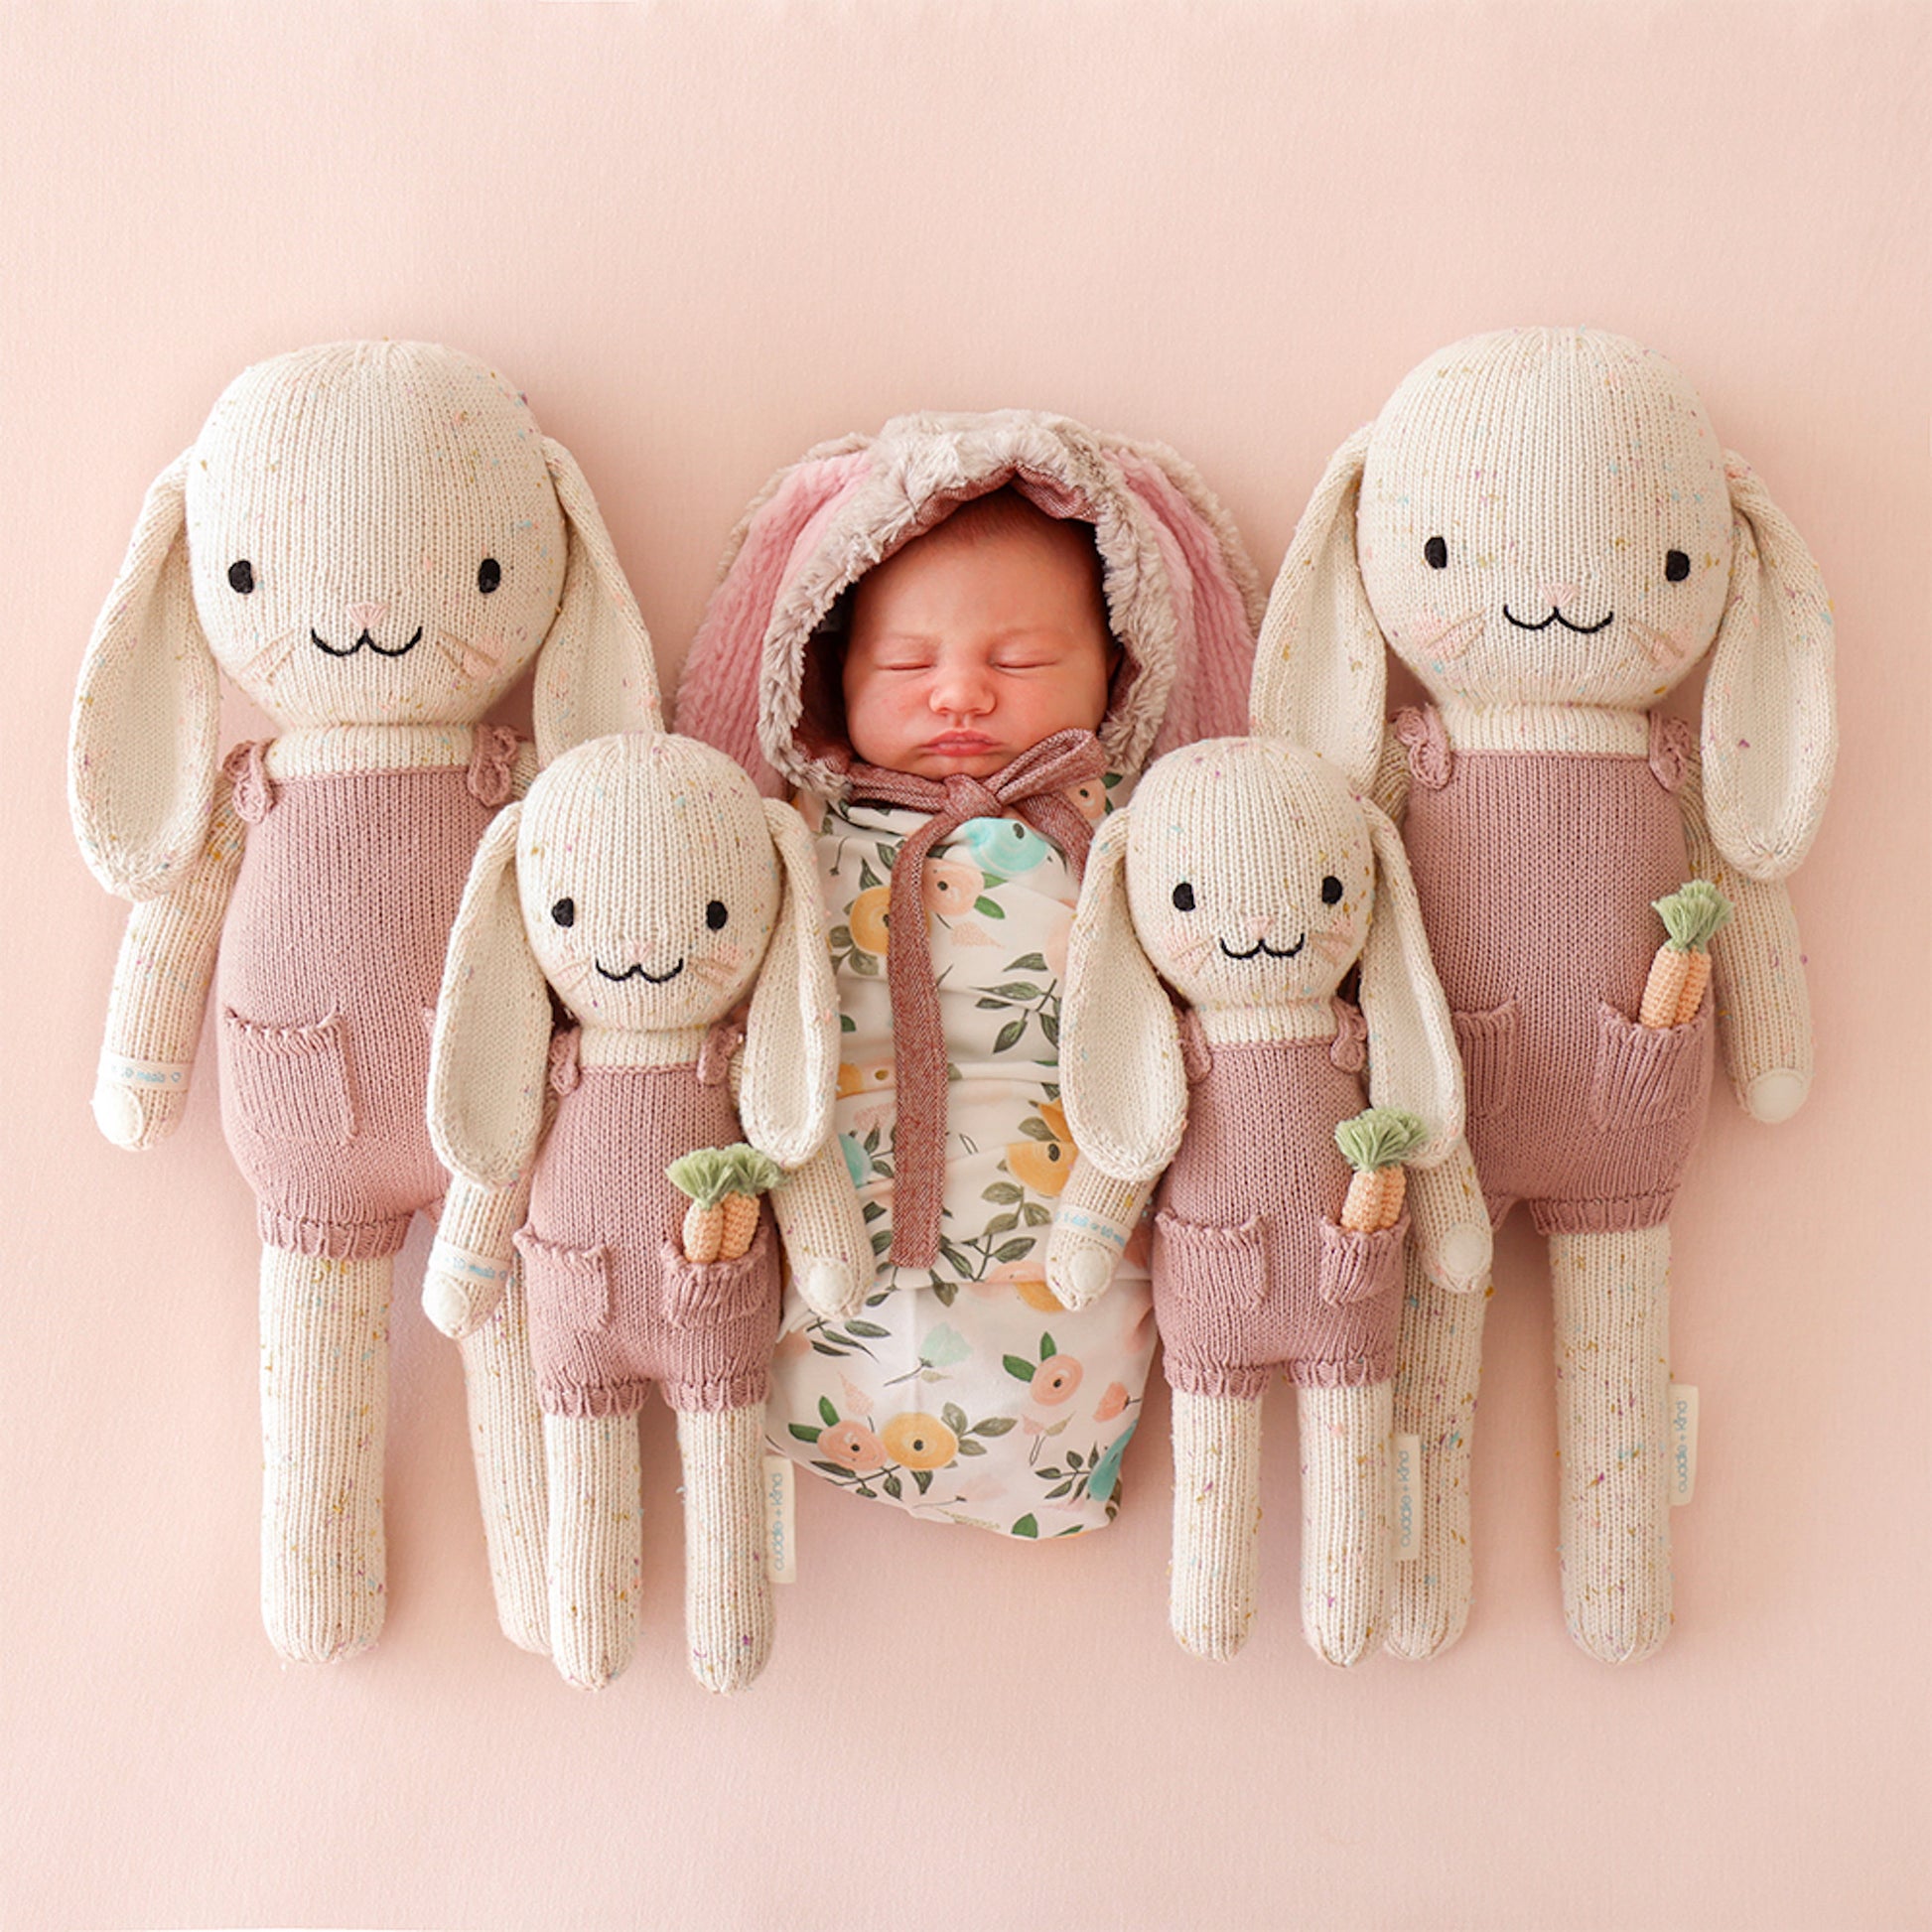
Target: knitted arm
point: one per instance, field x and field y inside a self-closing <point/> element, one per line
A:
<point x="160" y="992"/>
<point x="1092" y="1220"/>
<point x="1450" y="1221"/>
<point x="1757" y="976"/>
<point x="471" y="1259"/>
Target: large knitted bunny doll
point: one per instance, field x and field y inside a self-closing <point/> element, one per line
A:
<point x="1250" y="877"/>
<point x="372" y="540"/>
<point x="642" y="881"/>
<point x="1543" y="526"/>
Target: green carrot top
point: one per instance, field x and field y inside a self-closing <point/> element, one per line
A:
<point x="709" y="1174"/>
<point x="1693" y="914"/>
<point x="1379" y="1136"/>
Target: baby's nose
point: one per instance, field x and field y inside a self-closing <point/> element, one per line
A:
<point x="365" y="616"/>
<point x="1558" y="595"/>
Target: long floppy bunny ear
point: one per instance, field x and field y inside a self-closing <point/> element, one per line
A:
<point x="720" y="692"/>
<point x="1220" y="590"/>
<point x="596" y="674"/>
<point x="491" y="1039"/>
<point x="1320" y="673"/>
<point x="791" y="1041"/>
<point x="147" y="717"/>
<point x="1121" y="1081"/>
<point x="1770" y="724"/>
<point x="1412" y="1062"/>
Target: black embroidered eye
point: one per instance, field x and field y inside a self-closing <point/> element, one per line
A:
<point x="489" y="573"/>
<point x="1677" y="566"/>
<point x="715" y="916"/>
<point x="242" y="577"/>
<point x="1436" y="554"/>
<point x="1183" y="897"/>
<point x="565" y="911"/>
<point x="1331" y="891"/>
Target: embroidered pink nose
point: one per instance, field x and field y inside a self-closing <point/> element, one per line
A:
<point x="365" y="616"/>
<point x="1558" y="595"/>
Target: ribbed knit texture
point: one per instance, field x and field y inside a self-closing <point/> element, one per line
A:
<point x="728" y="1617"/>
<point x="1216" y="1522"/>
<point x="1345" y="1518"/>
<point x="595" y="1544"/>
<point x="1613" y="1349"/>
<point x="325" y="1393"/>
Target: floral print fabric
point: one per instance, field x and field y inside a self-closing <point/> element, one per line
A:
<point x="964" y="1391"/>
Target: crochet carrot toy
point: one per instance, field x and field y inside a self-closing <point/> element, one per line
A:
<point x="1693" y="915"/>
<point x="724" y="1183"/>
<point x="1375" y="1144"/>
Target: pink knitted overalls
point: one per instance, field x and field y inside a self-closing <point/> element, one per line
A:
<point x="1536" y="872"/>
<point x="331" y="962"/>
<point x="613" y="1305"/>
<point x="1251" y="1273"/>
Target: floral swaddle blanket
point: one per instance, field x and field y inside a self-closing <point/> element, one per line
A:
<point x="964" y="1391"/>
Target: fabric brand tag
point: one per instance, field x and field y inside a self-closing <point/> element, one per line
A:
<point x="1683" y="1443"/>
<point x="780" y="1533"/>
<point x="1408" y="1499"/>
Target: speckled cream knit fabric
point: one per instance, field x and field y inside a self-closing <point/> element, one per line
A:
<point x="1543" y="527"/>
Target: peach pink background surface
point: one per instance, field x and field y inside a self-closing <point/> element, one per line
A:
<point x="703" y="237"/>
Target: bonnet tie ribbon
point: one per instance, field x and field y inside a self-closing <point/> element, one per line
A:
<point x="1031" y="790"/>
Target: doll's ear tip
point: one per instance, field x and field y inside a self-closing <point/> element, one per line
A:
<point x="1775" y="1096"/>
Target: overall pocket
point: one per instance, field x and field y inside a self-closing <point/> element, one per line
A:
<point x="1646" y="1076"/>
<point x="291" y="1084"/>
<point x="568" y="1289"/>
<point x="1358" y="1266"/>
<point x="1212" y="1294"/>
<point x="713" y="1293"/>
<point x="1488" y="1044"/>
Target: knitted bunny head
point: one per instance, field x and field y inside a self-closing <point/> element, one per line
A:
<point x="363" y="533"/>
<point x="1546" y="518"/>
<point x="645" y="881"/>
<point x="1249" y="876"/>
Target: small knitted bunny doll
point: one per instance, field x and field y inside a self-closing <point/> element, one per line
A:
<point x="372" y="540"/>
<point x="1543" y="527"/>
<point x="649" y="886"/>
<point x="1250" y="877"/>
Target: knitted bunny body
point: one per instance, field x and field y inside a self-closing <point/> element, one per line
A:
<point x="614" y="1305"/>
<point x="648" y="886"/>
<point x="372" y="540"/>
<point x="954" y="1385"/>
<point x="1543" y="526"/>
<point x="1248" y="877"/>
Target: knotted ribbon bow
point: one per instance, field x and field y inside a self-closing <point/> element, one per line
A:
<point x="1031" y="790"/>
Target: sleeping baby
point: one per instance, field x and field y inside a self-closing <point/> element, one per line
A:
<point x="956" y="644"/>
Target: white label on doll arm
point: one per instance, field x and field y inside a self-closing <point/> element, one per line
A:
<point x="780" y="1529"/>
<point x="1683" y="1443"/>
<point x="123" y="1070"/>
<point x="1407" y="1502"/>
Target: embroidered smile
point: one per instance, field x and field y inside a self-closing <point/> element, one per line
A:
<point x="1557" y="616"/>
<point x="381" y="650"/>
<point x="1262" y="946"/>
<point x="637" y="972"/>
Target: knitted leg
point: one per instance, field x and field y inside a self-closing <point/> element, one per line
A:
<point x="325" y="1385"/>
<point x="1613" y="1335"/>
<point x="1345" y="1492"/>
<point x="596" y="1545"/>
<point x="727" y="1616"/>
<point x="507" y="1437"/>
<point x="1216" y="1520"/>
<point x="1437" y="1365"/>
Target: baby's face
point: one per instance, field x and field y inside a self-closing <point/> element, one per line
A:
<point x="965" y="651"/>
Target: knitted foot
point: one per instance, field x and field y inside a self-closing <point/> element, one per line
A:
<point x="325" y="1388"/>
<point x="596" y="1545"/>
<point x="728" y="1615"/>
<point x="1216" y="1520"/>
<point x="1345" y="1524"/>
<point x="1612" y="1345"/>
<point x="507" y="1437"/>
<point x="1438" y="1366"/>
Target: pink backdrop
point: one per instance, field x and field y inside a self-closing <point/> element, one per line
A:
<point x="703" y="239"/>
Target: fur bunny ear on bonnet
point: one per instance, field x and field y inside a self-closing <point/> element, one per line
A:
<point x="1181" y="595"/>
